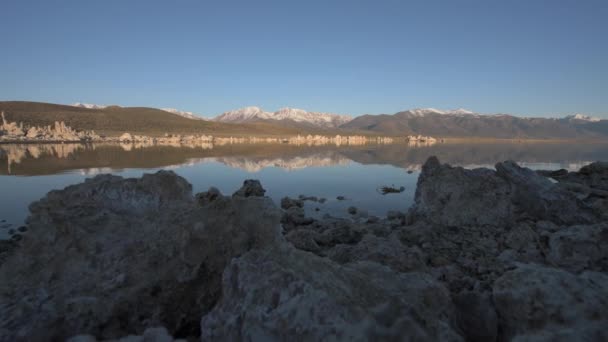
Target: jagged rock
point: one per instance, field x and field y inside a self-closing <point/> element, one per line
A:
<point x="113" y="256"/>
<point x="209" y="196"/>
<point x="578" y="248"/>
<point x="287" y="203"/>
<point x="341" y="232"/>
<point x="453" y="196"/>
<point x="386" y="251"/>
<point x="304" y="239"/>
<point x="546" y="304"/>
<point x="295" y="217"/>
<point x="251" y="187"/>
<point x="293" y="295"/>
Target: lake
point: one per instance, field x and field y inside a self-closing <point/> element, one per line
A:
<point x="28" y="172"/>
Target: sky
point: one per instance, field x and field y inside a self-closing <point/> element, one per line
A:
<point x="523" y="57"/>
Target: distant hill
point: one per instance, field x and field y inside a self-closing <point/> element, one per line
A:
<point x="462" y="123"/>
<point x="115" y="120"/>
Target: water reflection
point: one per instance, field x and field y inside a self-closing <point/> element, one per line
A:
<point x="28" y="172"/>
<point x="48" y="159"/>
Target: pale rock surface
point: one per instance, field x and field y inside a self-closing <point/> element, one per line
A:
<point x="113" y="256"/>
<point x="293" y="295"/>
<point x="540" y="303"/>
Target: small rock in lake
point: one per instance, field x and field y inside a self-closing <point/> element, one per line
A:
<point x="352" y="210"/>
<point x="16" y="237"/>
<point x="410" y="172"/>
<point x="250" y="188"/>
<point x="317" y="209"/>
<point x="11" y="231"/>
<point x="322" y="200"/>
<point x="22" y="229"/>
<point x="340" y="198"/>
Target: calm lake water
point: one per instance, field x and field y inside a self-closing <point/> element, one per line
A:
<point x="28" y="172"/>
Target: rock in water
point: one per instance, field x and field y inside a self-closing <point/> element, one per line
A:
<point x="454" y="196"/>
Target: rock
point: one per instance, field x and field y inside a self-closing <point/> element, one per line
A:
<point x="125" y="137"/>
<point x="553" y="173"/>
<point x="251" y="187"/>
<point x="22" y="229"/>
<point x="287" y="203"/>
<point x="386" y="251"/>
<point x="292" y="295"/>
<point x="579" y="248"/>
<point x="304" y="239"/>
<point x="340" y="232"/>
<point x="294" y="217"/>
<point x="204" y="198"/>
<point x="476" y="316"/>
<point x="322" y="200"/>
<point x="453" y="196"/>
<point x="340" y="198"/>
<point x="111" y="256"/>
<point x="542" y="303"/>
<point x="352" y="210"/>
<point x="394" y="215"/>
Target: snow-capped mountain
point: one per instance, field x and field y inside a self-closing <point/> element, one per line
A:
<point x="425" y="111"/>
<point x="88" y="105"/>
<point x="188" y="115"/>
<point x="325" y="120"/>
<point x="583" y="117"/>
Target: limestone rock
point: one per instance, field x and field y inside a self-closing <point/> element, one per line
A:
<point x="542" y="303"/>
<point x="454" y="196"/>
<point x="293" y="295"/>
<point x="112" y="256"/>
<point x="251" y="187"/>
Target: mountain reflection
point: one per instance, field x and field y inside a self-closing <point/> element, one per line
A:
<point x="44" y="159"/>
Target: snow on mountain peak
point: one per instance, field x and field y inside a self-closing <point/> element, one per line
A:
<point x="294" y="114"/>
<point x="424" y="111"/>
<point x="583" y="117"/>
<point x="88" y="105"/>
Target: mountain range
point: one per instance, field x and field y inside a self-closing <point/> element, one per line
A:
<point x="284" y="115"/>
<point x="459" y="123"/>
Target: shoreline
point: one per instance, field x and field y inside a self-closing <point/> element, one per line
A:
<point x="475" y="249"/>
<point x="257" y="140"/>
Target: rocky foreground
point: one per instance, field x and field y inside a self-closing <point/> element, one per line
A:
<point x="483" y="255"/>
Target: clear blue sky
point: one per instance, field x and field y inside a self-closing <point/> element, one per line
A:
<point x="523" y="57"/>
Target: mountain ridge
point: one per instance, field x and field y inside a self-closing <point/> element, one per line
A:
<point x="458" y="123"/>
